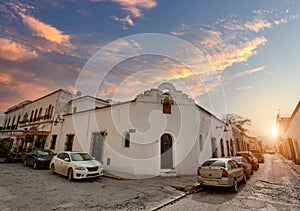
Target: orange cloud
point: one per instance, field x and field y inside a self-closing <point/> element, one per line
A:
<point x="5" y="78"/>
<point x="45" y="31"/>
<point x="231" y="54"/>
<point x="135" y="6"/>
<point x="258" y="25"/>
<point x="13" y="51"/>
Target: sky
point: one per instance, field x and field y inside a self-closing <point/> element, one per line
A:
<point x="231" y="56"/>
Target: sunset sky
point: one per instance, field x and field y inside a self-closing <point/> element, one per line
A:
<point x="243" y="56"/>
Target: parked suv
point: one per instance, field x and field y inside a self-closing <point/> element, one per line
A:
<point x="250" y="157"/>
<point x="257" y="153"/>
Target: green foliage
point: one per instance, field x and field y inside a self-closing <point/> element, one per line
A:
<point x="3" y="149"/>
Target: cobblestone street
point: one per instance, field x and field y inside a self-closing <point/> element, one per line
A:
<point x="23" y="188"/>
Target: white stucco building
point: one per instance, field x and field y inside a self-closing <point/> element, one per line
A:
<point x="160" y="130"/>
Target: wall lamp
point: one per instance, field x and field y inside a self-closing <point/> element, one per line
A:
<point x="103" y="133"/>
<point x="59" y="119"/>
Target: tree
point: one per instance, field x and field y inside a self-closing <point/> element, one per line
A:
<point x="237" y="121"/>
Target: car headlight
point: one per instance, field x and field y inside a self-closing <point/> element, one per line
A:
<point x="79" y="168"/>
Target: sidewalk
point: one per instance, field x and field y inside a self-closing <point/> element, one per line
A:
<point x="155" y="192"/>
<point x="293" y="166"/>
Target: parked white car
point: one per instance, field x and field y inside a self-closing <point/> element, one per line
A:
<point x="223" y="172"/>
<point x="76" y="165"/>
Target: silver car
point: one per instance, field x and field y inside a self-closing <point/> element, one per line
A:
<point x="76" y="165"/>
<point x="223" y="172"/>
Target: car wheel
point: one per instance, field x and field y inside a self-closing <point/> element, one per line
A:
<point x="244" y="180"/>
<point x="235" y="186"/>
<point x="248" y="175"/>
<point x="25" y="162"/>
<point x="35" y="165"/>
<point x="52" y="169"/>
<point x="70" y="174"/>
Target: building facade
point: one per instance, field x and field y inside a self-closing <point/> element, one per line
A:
<point x="29" y="124"/>
<point x="161" y="130"/>
<point x="289" y="135"/>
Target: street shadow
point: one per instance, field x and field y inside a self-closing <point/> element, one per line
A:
<point x="215" y="195"/>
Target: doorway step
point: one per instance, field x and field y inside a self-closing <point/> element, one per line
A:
<point x="168" y="173"/>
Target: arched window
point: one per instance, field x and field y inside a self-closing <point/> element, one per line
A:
<point x="127" y="140"/>
<point x="222" y="148"/>
<point x="31" y="116"/>
<point x="51" y="111"/>
<point x="25" y="117"/>
<point x="35" y="114"/>
<point x="13" y="121"/>
<point x="200" y="143"/>
<point x="18" y="120"/>
<point x="40" y="112"/>
<point x="8" y="122"/>
<point x="46" y="113"/>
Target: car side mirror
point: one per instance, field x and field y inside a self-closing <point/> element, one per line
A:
<point x="93" y="158"/>
<point x="67" y="159"/>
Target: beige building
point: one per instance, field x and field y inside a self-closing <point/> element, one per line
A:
<point x="29" y="123"/>
<point x="289" y="135"/>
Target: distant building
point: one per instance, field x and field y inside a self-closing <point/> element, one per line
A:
<point x="28" y="124"/>
<point x="289" y="135"/>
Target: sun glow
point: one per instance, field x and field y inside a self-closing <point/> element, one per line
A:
<point x="274" y="132"/>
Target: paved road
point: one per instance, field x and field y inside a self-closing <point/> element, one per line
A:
<point x="23" y="188"/>
<point x="273" y="187"/>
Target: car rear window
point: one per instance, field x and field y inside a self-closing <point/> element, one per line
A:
<point x="44" y="153"/>
<point x="211" y="163"/>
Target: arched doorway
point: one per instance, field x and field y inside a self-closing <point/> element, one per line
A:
<point x="166" y="152"/>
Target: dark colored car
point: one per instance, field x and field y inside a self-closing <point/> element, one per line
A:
<point x="250" y="158"/>
<point x="257" y="153"/>
<point x="241" y="161"/>
<point x="38" y="158"/>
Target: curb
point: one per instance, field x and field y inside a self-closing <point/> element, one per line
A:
<point x="183" y="192"/>
<point x="169" y="201"/>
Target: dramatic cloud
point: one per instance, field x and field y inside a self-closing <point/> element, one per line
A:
<point x="232" y="54"/>
<point x="257" y="25"/>
<point x="135" y="6"/>
<point x="44" y="30"/>
<point x="5" y="78"/>
<point x="13" y="51"/>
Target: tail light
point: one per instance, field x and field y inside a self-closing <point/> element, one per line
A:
<point x="224" y="173"/>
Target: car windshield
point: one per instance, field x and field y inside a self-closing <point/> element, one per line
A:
<point x="44" y="153"/>
<point x="80" y="156"/>
<point x="219" y="163"/>
<point x="237" y="159"/>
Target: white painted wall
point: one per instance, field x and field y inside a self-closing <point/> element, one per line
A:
<point x="146" y="122"/>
